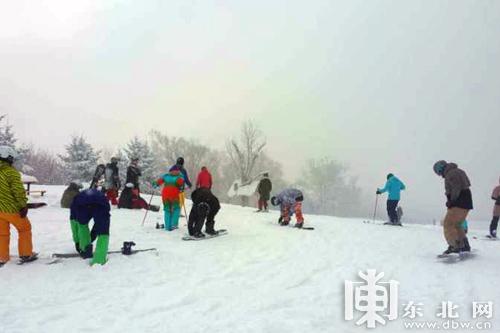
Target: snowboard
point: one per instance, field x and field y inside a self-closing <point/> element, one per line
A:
<point x="455" y="257"/>
<point x="22" y="262"/>
<point x="487" y="237"/>
<point x="77" y="255"/>
<point x="35" y="205"/>
<point x="222" y="232"/>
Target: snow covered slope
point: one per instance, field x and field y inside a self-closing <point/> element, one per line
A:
<point x="259" y="278"/>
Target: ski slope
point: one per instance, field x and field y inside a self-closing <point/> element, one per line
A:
<point x="259" y="278"/>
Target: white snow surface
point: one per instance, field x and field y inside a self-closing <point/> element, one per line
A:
<point x="261" y="277"/>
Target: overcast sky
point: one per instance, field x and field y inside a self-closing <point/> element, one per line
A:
<point x="385" y="86"/>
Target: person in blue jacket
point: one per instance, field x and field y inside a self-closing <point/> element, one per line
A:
<point x="394" y="186"/>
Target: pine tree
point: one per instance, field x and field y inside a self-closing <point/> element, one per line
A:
<point x="80" y="160"/>
<point x="137" y="148"/>
<point x="7" y="137"/>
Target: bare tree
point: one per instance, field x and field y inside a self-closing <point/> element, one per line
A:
<point x="245" y="153"/>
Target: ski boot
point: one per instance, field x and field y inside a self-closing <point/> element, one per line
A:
<point x="2" y="263"/>
<point x="88" y="252"/>
<point x="466" y="247"/>
<point x="212" y="232"/>
<point x="299" y="225"/>
<point x="199" y="235"/>
<point x="25" y="259"/>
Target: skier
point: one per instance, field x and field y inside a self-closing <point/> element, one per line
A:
<point x="133" y="173"/>
<point x="205" y="206"/>
<point x="112" y="181"/>
<point x="13" y="209"/>
<point x="264" y="189"/>
<point x="394" y="186"/>
<point x="70" y="193"/>
<point x="180" y="165"/>
<point x="289" y="199"/>
<point x="204" y="179"/>
<point x="459" y="202"/>
<point x="91" y="204"/>
<point x="496" y="212"/>
<point x="172" y="185"/>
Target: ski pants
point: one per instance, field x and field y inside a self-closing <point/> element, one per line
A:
<point x="172" y="211"/>
<point x="494" y="226"/>
<point x="391" y="210"/>
<point x="297" y="208"/>
<point x="196" y="220"/>
<point x="452" y="225"/>
<point x="112" y="196"/>
<point x="23" y="227"/>
<point x="263" y="204"/>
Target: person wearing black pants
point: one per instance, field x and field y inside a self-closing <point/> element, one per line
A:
<point x="205" y="206"/>
<point x="391" y="211"/>
<point x="496" y="212"/>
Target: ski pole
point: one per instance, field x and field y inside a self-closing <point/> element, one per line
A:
<point x="375" y="210"/>
<point x="147" y="209"/>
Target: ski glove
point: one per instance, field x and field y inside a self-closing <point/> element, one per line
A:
<point x="23" y="212"/>
<point x="378" y="191"/>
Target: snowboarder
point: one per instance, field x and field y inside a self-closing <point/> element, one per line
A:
<point x="13" y="209"/>
<point x="91" y="204"/>
<point x="458" y="203"/>
<point x="496" y="212"/>
<point x="131" y="199"/>
<point x="289" y="199"/>
<point x="98" y="173"/>
<point x="394" y="186"/>
<point x="264" y="189"/>
<point x="204" y="179"/>
<point x="172" y="183"/>
<point x="205" y="206"/>
<point x="70" y="193"/>
<point x="180" y="165"/>
<point x="112" y="181"/>
<point x="133" y="173"/>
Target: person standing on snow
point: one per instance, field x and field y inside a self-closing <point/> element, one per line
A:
<point x="264" y="189"/>
<point x="172" y="183"/>
<point x="180" y="165"/>
<point x="496" y="212"/>
<point x="205" y="206"/>
<point x="204" y="179"/>
<point x="394" y="186"/>
<point x="70" y="193"/>
<point x="91" y="204"/>
<point x="458" y="203"/>
<point x="112" y="181"/>
<point x="289" y="200"/>
<point x="13" y="209"/>
<point x="133" y="173"/>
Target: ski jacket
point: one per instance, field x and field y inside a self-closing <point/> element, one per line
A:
<point x="12" y="193"/>
<point x="69" y="194"/>
<point x="133" y="174"/>
<point x="457" y="187"/>
<point x="111" y="177"/>
<point x="288" y="197"/>
<point x="394" y="186"/>
<point x="204" y="179"/>
<point x="89" y="204"/>
<point x="172" y="185"/>
<point x="184" y="174"/>
<point x="264" y="188"/>
<point x="496" y="196"/>
<point x="205" y="195"/>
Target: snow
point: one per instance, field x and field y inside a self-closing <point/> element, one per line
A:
<point x="28" y="179"/>
<point x="261" y="277"/>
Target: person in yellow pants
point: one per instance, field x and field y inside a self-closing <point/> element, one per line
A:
<point x="13" y="209"/>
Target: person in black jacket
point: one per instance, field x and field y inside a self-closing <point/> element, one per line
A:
<point x="205" y="206"/>
<point x="133" y="173"/>
<point x="264" y="189"/>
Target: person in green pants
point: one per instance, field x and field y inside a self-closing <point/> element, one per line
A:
<point x="91" y="204"/>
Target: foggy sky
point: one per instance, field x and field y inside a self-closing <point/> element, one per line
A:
<point x="386" y="86"/>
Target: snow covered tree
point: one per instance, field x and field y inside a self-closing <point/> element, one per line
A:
<point x="245" y="153"/>
<point x="46" y="167"/>
<point x="137" y="148"/>
<point x="80" y="160"/>
<point x="7" y="137"/>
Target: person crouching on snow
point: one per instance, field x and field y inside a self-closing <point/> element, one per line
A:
<point x="173" y="183"/>
<point x="459" y="202"/>
<point x="289" y="199"/>
<point x="91" y="204"/>
<point x="205" y="206"/>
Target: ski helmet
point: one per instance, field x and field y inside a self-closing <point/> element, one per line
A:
<point x="180" y="161"/>
<point x="439" y="167"/>
<point x="8" y="154"/>
<point x="114" y="159"/>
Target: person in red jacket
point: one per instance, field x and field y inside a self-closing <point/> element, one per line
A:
<point x="204" y="179"/>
